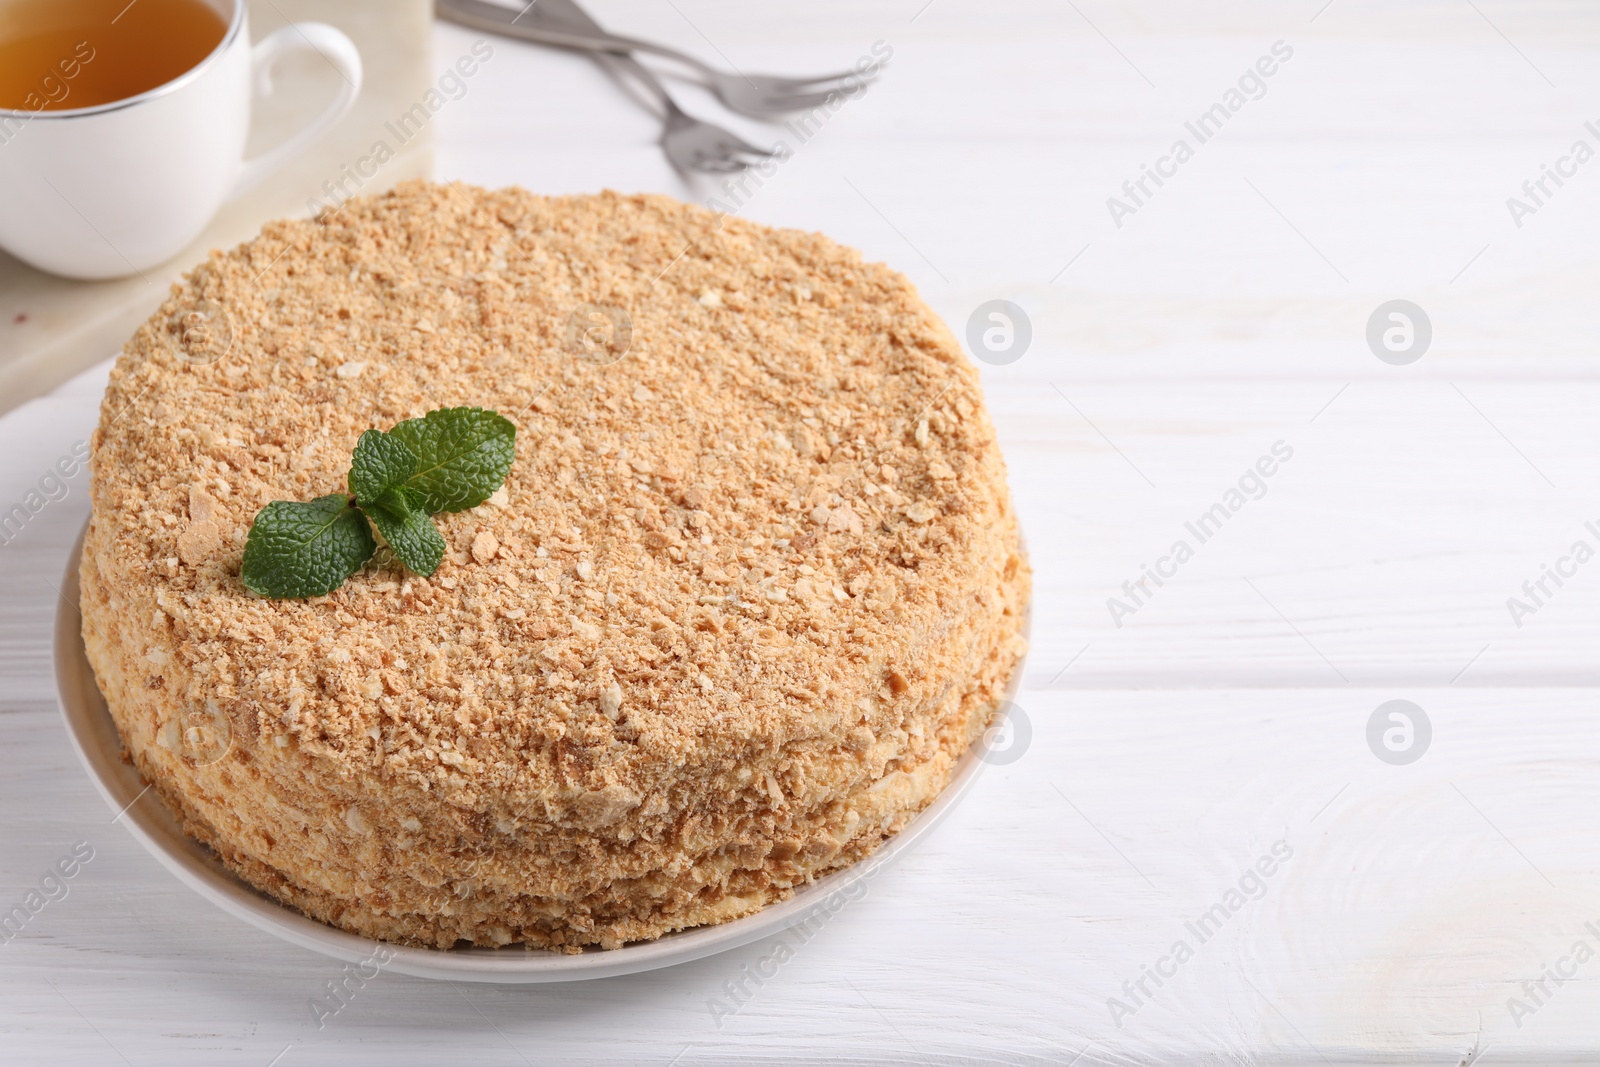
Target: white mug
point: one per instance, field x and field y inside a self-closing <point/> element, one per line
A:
<point x="107" y="191"/>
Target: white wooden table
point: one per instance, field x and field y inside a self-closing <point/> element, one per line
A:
<point x="1419" y="905"/>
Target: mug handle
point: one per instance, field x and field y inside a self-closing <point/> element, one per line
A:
<point x="337" y="49"/>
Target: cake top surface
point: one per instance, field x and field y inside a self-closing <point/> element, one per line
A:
<point x="751" y="472"/>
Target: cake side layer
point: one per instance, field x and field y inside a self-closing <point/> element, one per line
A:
<point x="304" y="838"/>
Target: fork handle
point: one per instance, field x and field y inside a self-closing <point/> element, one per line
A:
<point x="544" y="29"/>
<point x="624" y="67"/>
<point x="566" y="14"/>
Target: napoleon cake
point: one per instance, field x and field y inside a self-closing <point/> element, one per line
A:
<point x="752" y="586"/>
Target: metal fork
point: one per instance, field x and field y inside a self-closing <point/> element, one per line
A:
<point x="564" y="24"/>
<point x="690" y="143"/>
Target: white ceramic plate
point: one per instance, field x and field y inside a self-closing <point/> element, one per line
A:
<point x="95" y="736"/>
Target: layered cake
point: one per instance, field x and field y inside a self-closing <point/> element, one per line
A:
<point x="751" y="588"/>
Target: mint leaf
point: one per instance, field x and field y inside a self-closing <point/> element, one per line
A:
<point x="303" y="550"/>
<point x="464" y="455"/>
<point x="408" y="529"/>
<point x="448" y="460"/>
<point x="381" y="462"/>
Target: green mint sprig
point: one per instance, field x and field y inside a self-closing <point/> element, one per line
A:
<point x="448" y="460"/>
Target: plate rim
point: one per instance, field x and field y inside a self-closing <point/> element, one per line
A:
<point x="98" y="743"/>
